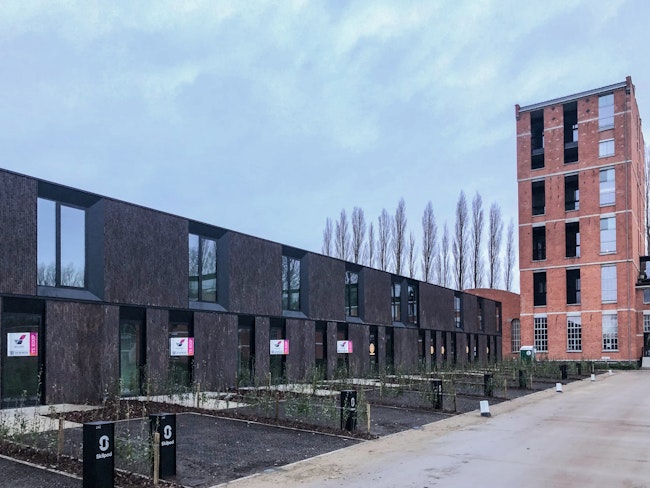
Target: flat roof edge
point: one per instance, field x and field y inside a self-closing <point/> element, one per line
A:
<point x="576" y="96"/>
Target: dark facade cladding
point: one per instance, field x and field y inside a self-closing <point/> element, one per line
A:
<point x="99" y="296"/>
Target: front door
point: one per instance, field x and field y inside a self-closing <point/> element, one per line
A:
<point x="22" y="359"/>
<point x="646" y="344"/>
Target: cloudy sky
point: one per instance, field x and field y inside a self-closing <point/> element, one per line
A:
<point x="268" y="117"/>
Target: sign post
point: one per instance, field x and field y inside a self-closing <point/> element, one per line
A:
<point x="348" y="410"/>
<point x="98" y="455"/>
<point x="165" y="425"/>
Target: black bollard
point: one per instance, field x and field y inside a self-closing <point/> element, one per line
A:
<point x="348" y="410"/>
<point x="436" y="386"/>
<point x="98" y="455"/>
<point x="165" y="425"/>
<point x="563" y="371"/>
<point x="522" y="379"/>
<point x="579" y="369"/>
<point x="487" y="385"/>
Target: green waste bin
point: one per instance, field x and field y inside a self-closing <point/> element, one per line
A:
<point x="527" y="354"/>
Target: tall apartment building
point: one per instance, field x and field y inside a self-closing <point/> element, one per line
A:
<point x="581" y="181"/>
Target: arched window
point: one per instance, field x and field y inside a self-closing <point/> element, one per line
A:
<point x="515" y="335"/>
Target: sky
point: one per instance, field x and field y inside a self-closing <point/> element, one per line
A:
<point x="268" y="117"/>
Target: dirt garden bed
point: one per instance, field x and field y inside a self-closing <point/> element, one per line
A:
<point x="274" y="428"/>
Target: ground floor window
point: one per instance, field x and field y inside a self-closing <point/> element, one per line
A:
<point x="515" y="335"/>
<point x="541" y="334"/>
<point x="574" y="333"/>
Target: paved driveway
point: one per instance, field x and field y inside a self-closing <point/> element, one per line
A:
<point x="594" y="434"/>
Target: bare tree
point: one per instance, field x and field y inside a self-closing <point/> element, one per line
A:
<point x="370" y="253"/>
<point x="429" y="237"/>
<point x="383" y="240"/>
<point x="443" y="264"/>
<point x="358" y="234"/>
<point x="412" y="253"/>
<point x="399" y="236"/>
<point x="476" y="239"/>
<point x="494" y="245"/>
<point x="510" y="256"/>
<point x="460" y="244"/>
<point x="342" y="238"/>
<point x="327" y="237"/>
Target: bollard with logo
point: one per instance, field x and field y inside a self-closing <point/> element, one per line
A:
<point x="563" y="371"/>
<point x="98" y="455"/>
<point x="165" y="425"/>
<point x="522" y="379"/>
<point x="436" y="385"/>
<point x="348" y="410"/>
<point x="488" y="389"/>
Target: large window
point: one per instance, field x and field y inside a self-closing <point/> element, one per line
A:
<point x="539" y="198"/>
<point x="539" y="243"/>
<point x="646" y="321"/>
<point x="539" y="288"/>
<point x="537" y="139"/>
<point x="606" y="112"/>
<point x="515" y="335"/>
<point x="608" y="283"/>
<point x="606" y="148"/>
<point x="396" y="302"/>
<point x="412" y="303"/>
<point x="61" y="245"/>
<point x="290" y="283"/>
<point x="607" y="235"/>
<point x="574" y="333"/>
<point x="457" y="311"/>
<point x="572" y="286"/>
<point x="202" y="268"/>
<point x="541" y="334"/>
<point x="607" y="187"/>
<point x="571" y="193"/>
<point x="610" y="331"/>
<point x="351" y="294"/>
<point x="572" y="239"/>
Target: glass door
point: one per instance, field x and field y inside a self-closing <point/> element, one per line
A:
<point x="22" y="359"/>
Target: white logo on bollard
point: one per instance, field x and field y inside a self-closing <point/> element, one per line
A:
<point x="104" y="443"/>
<point x="167" y="432"/>
<point x="353" y="402"/>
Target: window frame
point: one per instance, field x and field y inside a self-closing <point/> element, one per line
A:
<point x="351" y="294"/>
<point x="571" y="192"/>
<point x="538" y="195"/>
<point x="59" y="244"/>
<point x="540" y="333"/>
<point x="200" y="263"/>
<point x="539" y="288"/>
<point x="604" y="247"/>
<point x="605" y="115"/>
<point x="289" y="293"/>
<point x="539" y="242"/>
<point x="458" y="310"/>
<point x="572" y="239"/>
<point x="574" y="333"/>
<point x="606" y="148"/>
<point x="610" y="331"/>
<point x="515" y="335"/>
<point x="396" y="301"/>
<point x="607" y="186"/>
<point x="573" y="285"/>
<point x="608" y="294"/>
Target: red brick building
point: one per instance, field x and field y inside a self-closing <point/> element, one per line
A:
<point x="581" y="179"/>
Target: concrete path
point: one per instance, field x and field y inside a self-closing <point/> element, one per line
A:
<point x="594" y="434"/>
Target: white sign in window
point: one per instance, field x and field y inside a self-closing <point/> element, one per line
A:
<point x="344" y="347"/>
<point x="22" y="344"/>
<point x="279" y="347"/>
<point x="181" y="346"/>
